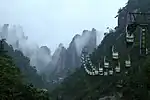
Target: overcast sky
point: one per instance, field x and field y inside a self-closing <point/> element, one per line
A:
<point x="50" y="22"/>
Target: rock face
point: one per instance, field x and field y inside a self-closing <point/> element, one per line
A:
<point x="65" y="61"/>
<point x="43" y="57"/>
<point x="14" y="35"/>
<point x="4" y="31"/>
<point x="59" y="59"/>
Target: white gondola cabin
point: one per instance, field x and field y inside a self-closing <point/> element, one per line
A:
<point x="115" y="55"/>
<point x="111" y="72"/>
<point x="90" y="73"/>
<point x="105" y="73"/>
<point x="100" y="70"/>
<point x="128" y="62"/>
<point x="88" y="59"/>
<point x="84" y="65"/>
<point x="146" y="51"/>
<point x="96" y="72"/>
<point x="83" y="61"/>
<point x="82" y="57"/>
<point x="106" y="64"/>
<point x="117" y="69"/>
<point x="129" y="37"/>
<point x="101" y="74"/>
<point x="93" y="73"/>
<point x="91" y="65"/>
<point x="94" y="69"/>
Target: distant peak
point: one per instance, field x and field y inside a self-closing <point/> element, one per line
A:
<point x="76" y="36"/>
<point x="84" y="31"/>
<point x="61" y="45"/>
<point x="93" y="30"/>
<point x="46" y="48"/>
<point x="6" y="25"/>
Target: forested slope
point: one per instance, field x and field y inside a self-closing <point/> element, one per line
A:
<point x="135" y="85"/>
<point x="12" y="83"/>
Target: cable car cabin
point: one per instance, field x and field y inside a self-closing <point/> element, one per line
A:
<point x="93" y="69"/>
<point x="84" y="65"/>
<point x="100" y="70"/>
<point x="93" y="73"/>
<point x="111" y="72"/>
<point x="86" y="70"/>
<point x="129" y="38"/>
<point x="101" y="73"/>
<point x="83" y="61"/>
<point x="146" y="51"/>
<point x="105" y="73"/>
<point x="87" y="56"/>
<point x="114" y="54"/>
<point x="118" y="68"/>
<point x="106" y="64"/>
<point x="82" y="57"/>
<point x="128" y="63"/>
<point x="96" y="72"/>
<point x="91" y="64"/>
<point x="129" y="34"/>
<point x="126" y="72"/>
<point x="88" y="59"/>
<point x="90" y="73"/>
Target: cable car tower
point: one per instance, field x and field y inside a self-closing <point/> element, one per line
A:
<point x="131" y="27"/>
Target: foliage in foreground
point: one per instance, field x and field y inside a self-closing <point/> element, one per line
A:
<point x="12" y="86"/>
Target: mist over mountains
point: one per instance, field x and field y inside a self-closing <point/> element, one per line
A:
<point x="62" y="60"/>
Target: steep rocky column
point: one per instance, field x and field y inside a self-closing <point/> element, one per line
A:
<point x="4" y="33"/>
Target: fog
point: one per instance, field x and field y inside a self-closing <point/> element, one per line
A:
<point x="14" y="36"/>
<point x="36" y="23"/>
<point x="51" y="22"/>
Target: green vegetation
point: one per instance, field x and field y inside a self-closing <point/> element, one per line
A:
<point x="12" y="83"/>
<point x="136" y="84"/>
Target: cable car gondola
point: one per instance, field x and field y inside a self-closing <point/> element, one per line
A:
<point x="96" y="72"/>
<point x="106" y="64"/>
<point x="105" y="73"/>
<point x="100" y="69"/>
<point x="128" y="62"/>
<point x="117" y="69"/>
<point x="129" y="36"/>
<point x="111" y="72"/>
<point x="114" y="54"/>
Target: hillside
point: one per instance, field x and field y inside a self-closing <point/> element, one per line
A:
<point x="52" y="67"/>
<point x="134" y="85"/>
<point x="15" y="82"/>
